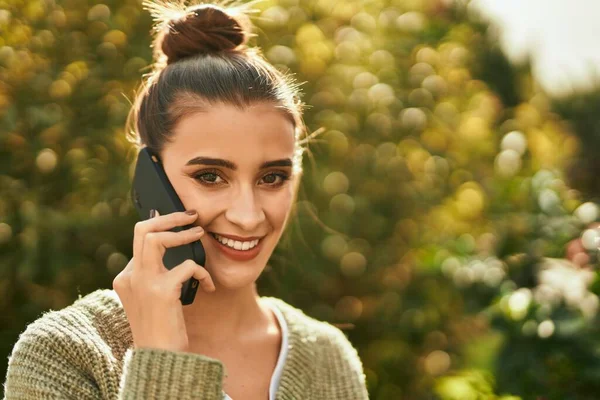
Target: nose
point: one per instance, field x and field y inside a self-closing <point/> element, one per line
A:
<point x="246" y="210"/>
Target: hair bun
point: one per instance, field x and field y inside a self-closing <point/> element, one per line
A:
<point x="200" y="29"/>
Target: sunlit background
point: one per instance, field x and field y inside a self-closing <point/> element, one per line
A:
<point x="437" y="217"/>
<point x="558" y="36"/>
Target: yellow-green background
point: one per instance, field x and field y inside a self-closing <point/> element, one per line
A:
<point x="423" y="222"/>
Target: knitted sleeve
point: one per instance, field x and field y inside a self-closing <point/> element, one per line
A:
<point x="161" y="374"/>
<point x="50" y="362"/>
<point x="343" y="368"/>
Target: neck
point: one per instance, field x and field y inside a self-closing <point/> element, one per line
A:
<point x="224" y="315"/>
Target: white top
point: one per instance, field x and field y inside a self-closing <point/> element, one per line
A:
<point x="280" y="360"/>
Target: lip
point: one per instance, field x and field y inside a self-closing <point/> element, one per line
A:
<point x="238" y="255"/>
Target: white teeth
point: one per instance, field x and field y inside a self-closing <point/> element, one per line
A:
<point x="235" y="243"/>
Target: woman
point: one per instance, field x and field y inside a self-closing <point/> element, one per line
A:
<point x="226" y="125"/>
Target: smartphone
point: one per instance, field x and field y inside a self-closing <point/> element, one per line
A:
<point x="151" y="189"/>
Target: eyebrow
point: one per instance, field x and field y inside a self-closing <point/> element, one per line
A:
<point x="284" y="162"/>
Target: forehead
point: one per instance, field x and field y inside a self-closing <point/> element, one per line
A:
<point x="258" y="133"/>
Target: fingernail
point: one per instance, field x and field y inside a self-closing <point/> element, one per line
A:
<point x="191" y="212"/>
<point x="152" y="213"/>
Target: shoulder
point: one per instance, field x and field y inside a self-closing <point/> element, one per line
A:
<point x="63" y="351"/>
<point x="311" y="328"/>
<point x="329" y="344"/>
<point x="88" y="314"/>
<point x="94" y="320"/>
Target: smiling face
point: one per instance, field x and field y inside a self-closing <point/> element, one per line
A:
<point x="235" y="168"/>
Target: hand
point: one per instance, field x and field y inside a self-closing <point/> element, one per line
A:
<point x="150" y="292"/>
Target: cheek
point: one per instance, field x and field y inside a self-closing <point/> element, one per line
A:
<point x="185" y="189"/>
<point x="194" y="198"/>
<point x="185" y="195"/>
<point x="278" y="206"/>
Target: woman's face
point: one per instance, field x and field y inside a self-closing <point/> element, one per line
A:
<point x="234" y="167"/>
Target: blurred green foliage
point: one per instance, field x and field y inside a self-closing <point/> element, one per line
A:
<point x="581" y="110"/>
<point x="431" y="213"/>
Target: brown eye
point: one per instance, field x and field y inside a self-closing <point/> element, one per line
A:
<point x="272" y="179"/>
<point x="209" y="178"/>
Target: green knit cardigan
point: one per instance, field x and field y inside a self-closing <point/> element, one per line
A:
<point x="85" y="351"/>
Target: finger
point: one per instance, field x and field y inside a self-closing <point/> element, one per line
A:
<point x="158" y="224"/>
<point x="169" y="221"/>
<point x="121" y="282"/>
<point x="156" y="244"/>
<point x="139" y="231"/>
<point x="188" y="269"/>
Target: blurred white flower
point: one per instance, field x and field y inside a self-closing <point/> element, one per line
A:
<point x="493" y="275"/>
<point x="490" y="271"/>
<point x="546" y="294"/>
<point x="411" y="21"/>
<point x="478" y="267"/>
<point x="542" y="179"/>
<point x="587" y="212"/>
<point x="589" y="239"/>
<point x="413" y="118"/>
<point x="382" y="94"/>
<point x="546" y="329"/>
<point x="508" y="163"/>
<point x="450" y="265"/>
<point x="514" y="140"/>
<point x="561" y="279"/>
<point x="548" y="200"/>
<point x="519" y="302"/>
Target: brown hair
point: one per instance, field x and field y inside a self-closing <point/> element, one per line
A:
<point x="202" y="59"/>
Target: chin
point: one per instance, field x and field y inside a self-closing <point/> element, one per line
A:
<point x="234" y="276"/>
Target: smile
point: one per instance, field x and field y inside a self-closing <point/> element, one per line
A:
<point x="237" y="250"/>
<point x="236" y="244"/>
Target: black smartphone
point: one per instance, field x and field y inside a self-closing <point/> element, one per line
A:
<point x="151" y="189"/>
